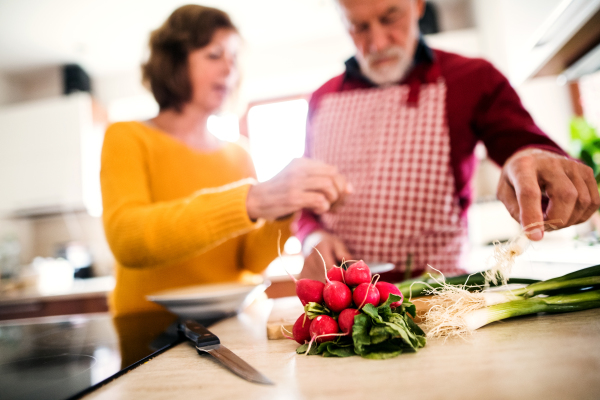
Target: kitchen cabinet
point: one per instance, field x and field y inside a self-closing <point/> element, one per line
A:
<point x="569" y="33"/>
<point x="534" y="38"/>
<point x="49" y="156"/>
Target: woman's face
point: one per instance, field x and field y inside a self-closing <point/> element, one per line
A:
<point x="213" y="70"/>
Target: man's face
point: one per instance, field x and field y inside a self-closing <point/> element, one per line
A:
<point x="385" y="34"/>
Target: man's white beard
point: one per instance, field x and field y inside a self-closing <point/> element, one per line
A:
<point x="386" y="74"/>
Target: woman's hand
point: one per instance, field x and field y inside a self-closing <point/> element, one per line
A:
<point x="304" y="183"/>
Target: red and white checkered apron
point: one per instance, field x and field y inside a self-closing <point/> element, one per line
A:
<point x="397" y="157"/>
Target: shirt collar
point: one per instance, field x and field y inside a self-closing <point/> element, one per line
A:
<point x="423" y="54"/>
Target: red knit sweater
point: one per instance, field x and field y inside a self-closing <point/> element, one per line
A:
<point x="481" y="105"/>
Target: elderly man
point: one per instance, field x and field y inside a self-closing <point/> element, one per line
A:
<point x="401" y="123"/>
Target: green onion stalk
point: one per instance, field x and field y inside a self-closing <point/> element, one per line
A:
<point x="553" y="304"/>
<point x="454" y="310"/>
<point x="585" y="279"/>
<point x="425" y="283"/>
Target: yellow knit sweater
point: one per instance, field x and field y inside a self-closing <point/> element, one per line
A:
<point x="174" y="216"/>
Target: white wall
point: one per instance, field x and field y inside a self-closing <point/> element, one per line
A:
<point x="284" y="70"/>
<point x="550" y="106"/>
<point x="590" y="98"/>
<point x="7" y="90"/>
<point x="507" y="28"/>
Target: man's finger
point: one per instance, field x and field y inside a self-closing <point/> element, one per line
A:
<point x="506" y="194"/>
<point x="341" y="252"/>
<point x="529" y="196"/>
<point x="590" y="181"/>
<point x="563" y="197"/>
<point x="582" y="202"/>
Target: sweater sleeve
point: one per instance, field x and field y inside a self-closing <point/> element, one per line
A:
<point x="142" y="232"/>
<point x="259" y="246"/>
<point x="502" y="123"/>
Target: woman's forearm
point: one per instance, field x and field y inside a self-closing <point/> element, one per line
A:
<point x="144" y="235"/>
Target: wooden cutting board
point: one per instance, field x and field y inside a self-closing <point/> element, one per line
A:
<point x="287" y="310"/>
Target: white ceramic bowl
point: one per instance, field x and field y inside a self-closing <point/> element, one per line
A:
<point x="208" y="301"/>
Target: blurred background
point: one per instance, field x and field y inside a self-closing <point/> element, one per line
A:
<point x="69" y="68"/>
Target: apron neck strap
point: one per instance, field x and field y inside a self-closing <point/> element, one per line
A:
<point x="426" y="73"/>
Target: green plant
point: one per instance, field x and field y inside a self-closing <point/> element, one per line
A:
<point x="585" y="144"/>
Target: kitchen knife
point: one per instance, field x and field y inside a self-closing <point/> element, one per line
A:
<point x="207" y="342"/>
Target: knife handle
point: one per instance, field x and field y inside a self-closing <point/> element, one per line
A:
<point x="199" y="334"/>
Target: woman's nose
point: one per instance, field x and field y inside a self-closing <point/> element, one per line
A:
<point x="228" y="65"/>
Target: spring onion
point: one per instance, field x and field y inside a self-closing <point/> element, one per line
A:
<point x="456" y="311"/>
<point x="553" y="304"/>
<point x="420" y="286"/>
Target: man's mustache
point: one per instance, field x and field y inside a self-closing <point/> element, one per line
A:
<point x="394" y="52"/>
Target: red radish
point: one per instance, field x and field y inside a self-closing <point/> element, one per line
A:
<point x="346" y="320"/>
<point x="358" y="273"/>
<point x="308" y="290"/>
<point x="337" y="295"/>
<point x="336" y="274"/>
<point x="322" y="329"/>
<point x="301" y="329"/>
<point x="385" y="288"/>
<point x="366" y="293"/>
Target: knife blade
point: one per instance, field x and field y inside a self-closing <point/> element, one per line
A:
<point x="208" y="342"/>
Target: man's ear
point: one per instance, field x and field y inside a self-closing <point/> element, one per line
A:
<point x="421" y="8"/>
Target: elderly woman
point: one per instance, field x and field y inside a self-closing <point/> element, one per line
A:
<point x="180" y="206"/>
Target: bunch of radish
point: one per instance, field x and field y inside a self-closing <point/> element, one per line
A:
<point x="345" y="293"/>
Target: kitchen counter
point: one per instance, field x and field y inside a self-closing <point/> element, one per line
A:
<point x="535" y="357"/>
<point x="83" y="296"/>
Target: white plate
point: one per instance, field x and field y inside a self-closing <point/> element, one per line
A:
<point x="208" y="301"/>
<point x="379" y="268"/>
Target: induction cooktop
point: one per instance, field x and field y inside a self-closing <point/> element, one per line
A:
<point x="57" y="358"/>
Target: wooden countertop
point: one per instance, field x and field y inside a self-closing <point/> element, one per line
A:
<point x="536" y="357"/>
<point x="80" y="288"/>
<point x="83" y="296"/>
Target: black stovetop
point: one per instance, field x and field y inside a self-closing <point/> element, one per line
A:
<point x="67" y="357"/>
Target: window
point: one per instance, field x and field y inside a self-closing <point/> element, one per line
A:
<point x="276" y="131"/>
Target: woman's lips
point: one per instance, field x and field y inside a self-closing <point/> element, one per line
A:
<point x="221" y="89"/>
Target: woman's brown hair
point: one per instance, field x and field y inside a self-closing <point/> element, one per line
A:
<point x="188" y="28"/>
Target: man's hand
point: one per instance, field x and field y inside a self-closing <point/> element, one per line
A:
<point x="331" y="248"/>
<point x="570" y="186"/>
<point x="304" y="183"/>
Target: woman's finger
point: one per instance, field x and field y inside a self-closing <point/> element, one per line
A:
<point x="310" y="167"/>
<point x="344" y="189"/>
<point x="324" y="185"/>
<point x="314" y="201"/>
